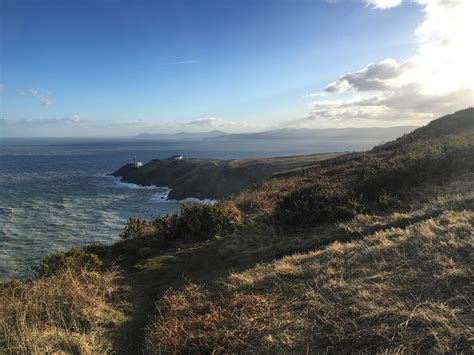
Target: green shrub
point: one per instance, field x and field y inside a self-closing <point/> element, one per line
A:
<point x="427" y="162"/>
<point x="198" y="222"/>
<point x="75" y="260"/>
<point x="136" y="227"/>
<point x="314" y="205"/>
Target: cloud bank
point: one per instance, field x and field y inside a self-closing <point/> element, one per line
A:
<point x="437" y="80"/>
<point x="79" y="127"/>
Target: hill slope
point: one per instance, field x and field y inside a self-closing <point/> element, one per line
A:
<point x="397" y="290"/>
<point x="366" y="251"/>
<point x="403" y="284"/>
<point x="458" y="123"/>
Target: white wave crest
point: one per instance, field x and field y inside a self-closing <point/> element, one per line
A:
<point x="161" y="197"/>
<point x="118" y="183"/>
<point x="206" y="201"/>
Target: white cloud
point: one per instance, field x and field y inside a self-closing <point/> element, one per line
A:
<point x="43" y="98"/>
<point x="375" y="76"/>
<point x="438" y="79"/>
<point x="182" y="62"/>
<point x="209" y="123"/>
<point x="71" y="121"/>
<point x="406" y="104"/>
<point x="75" y="126"/>
<point x="317" y="94"/>
<point x="383" y="4"/>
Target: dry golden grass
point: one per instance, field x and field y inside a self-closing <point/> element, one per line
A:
<point x="69" y="312"/>
<point x="262" y="199"/>
<point x="397" y="290"/>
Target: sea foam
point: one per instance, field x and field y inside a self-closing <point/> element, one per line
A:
<point x="118" y="183"/>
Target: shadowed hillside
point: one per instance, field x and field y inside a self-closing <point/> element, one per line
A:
<point x="458" y="123"/>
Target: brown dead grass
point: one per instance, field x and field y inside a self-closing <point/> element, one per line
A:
<point x="399" y="290"/>
<point x="69" y="312"/>
<point x="262" y="199"/>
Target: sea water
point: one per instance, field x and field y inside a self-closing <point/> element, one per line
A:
<point x="55" y="193"/>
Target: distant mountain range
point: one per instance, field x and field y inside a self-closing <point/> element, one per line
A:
<point x="181" y="135"/>
<point x="382" y="134"/>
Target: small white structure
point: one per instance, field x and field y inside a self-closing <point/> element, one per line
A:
<point x="176" y="157"/>
<point x="135" y="163"/>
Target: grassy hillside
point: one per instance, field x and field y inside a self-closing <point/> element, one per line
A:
<point x="397" y="290"/>
<point x="367" y="251"/>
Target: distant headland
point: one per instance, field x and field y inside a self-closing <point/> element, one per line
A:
<point x="212" y="178"/>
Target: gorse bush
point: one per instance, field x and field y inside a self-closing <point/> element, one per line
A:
<point x="137" y="227"/>
<point x="75" y="260"/>
<point x="429" y="162"/>
<point x="380" y="183"/>
<point x="198" y="222"/>
<point x="313" y="205"/>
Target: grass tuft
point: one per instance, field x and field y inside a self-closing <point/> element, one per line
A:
<point x="72" y="311"/>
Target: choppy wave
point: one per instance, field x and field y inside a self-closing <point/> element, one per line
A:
<point x="161" y="197"/>
<point x="44" y="213"/>
<point x="206" y="201"/>
<point x="119" y="183"/>
<point x="52" y="202"/>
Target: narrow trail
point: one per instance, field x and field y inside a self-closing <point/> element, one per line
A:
<point x="149" y="279"/>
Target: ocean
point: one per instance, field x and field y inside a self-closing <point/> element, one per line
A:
<point x="55" y="193"/>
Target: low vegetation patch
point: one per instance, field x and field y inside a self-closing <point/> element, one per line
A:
<point x="198" y="222"/>
<point x="73" y="310"/>
<point x="398" y="290"/>
<point x="421" y="164"/>
<point x="383" y="182"/>
<point x="73" y="260"/>
<point x="313" y="205"/>
<point x="261" y="199"/>
<point x="195" y="222"/>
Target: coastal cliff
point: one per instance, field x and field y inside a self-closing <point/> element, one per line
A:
<point x="212" y="178"/>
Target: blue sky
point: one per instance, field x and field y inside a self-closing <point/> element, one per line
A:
<point x="108" y="67"/>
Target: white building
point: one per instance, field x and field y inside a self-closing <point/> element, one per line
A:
<point x="135" y="163"/>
